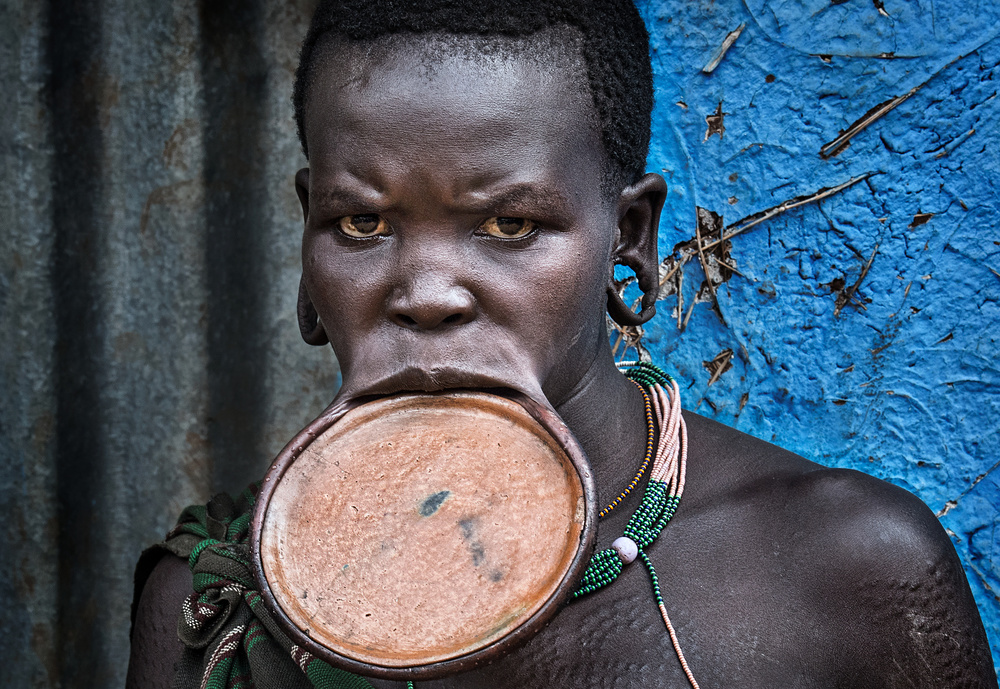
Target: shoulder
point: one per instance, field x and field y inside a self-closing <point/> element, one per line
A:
<point x="870" y="517"/>
<point x="878" y="569"/>
<point x="156" y="649"/>
<point x="842" y="518"/>
<point x="881" y="557"/>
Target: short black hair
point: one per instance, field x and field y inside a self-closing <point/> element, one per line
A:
<point x="615" y="49"/>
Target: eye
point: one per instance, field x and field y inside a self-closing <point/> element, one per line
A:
<point x="364" y="226"/>
<point x="507" y="228"/>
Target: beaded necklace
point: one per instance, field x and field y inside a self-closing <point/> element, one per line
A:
<point x="661" y="396"/>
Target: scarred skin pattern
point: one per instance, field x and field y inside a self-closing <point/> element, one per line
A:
<point x="776" y="572"/>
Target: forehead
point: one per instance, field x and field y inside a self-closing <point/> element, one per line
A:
<point x="551" y="58"/>
<point x="466" y="100"/>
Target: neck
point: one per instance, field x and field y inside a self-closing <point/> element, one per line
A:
<point x="605" y="412"/>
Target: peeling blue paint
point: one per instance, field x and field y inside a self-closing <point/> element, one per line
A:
<point x="903" y="383"/>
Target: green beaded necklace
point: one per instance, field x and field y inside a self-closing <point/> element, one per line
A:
<point x="663" y="492"/>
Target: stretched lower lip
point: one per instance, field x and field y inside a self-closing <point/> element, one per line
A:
<point x="435" y="379"/>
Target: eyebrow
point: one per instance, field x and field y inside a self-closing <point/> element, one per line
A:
<point x="539" y="198"/>
<point x="343" y="197"/>
<point x="529" y="194"/>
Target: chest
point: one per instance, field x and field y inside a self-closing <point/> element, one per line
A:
<point x="742" y="620"/>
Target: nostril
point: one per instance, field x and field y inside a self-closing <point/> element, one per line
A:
<point x="427" y="307"/>
<point x="418" y="323"/>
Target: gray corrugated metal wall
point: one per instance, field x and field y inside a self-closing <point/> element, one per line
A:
<point x="147" y="285"/>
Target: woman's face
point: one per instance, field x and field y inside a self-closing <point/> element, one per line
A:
<point x="456" y="232"/>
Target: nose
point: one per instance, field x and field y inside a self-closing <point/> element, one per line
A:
<point x="431" y="301"/>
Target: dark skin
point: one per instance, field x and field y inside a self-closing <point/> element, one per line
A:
<point x="775" y="571"/>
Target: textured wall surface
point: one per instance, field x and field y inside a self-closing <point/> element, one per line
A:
<point x="861" y="329"/>
<point x="148" y="348"/>
<point x="150" y="355"/>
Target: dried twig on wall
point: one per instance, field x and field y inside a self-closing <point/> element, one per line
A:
<point x="721" y="51"/>
<point x="840" y="143"/>
<point x="722" y="362"/>
<point x="712" y="247"/>
<point x="845" y="296"/>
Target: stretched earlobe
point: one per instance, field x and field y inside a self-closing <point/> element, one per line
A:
<point x="624" y="316"/>
<point x="309" y="324"/>
<point x="639" y="207"/>
<point x="302" y="191"/>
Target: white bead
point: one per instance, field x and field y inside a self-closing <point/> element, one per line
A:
<point x="626" y="548"/>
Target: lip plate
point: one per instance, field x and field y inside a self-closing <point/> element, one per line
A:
<point x="550" y="421"/>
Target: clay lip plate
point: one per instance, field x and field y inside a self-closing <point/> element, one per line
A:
<point x="423" y="534"/>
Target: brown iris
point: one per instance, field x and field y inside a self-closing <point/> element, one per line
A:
<point x="363" y="226"/>
<point x="507" y="228"/>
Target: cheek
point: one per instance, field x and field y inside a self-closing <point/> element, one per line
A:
<point x="346" y="287"/>
<point x="574" y="288"/>
<point x="550" y="298"/>
<point x="568" y="291"/>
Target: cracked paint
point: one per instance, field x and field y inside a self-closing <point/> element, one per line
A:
<point x="862" y="308"/>
<point x="716" y="123"/>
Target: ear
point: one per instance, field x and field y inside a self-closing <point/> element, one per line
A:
<point x="302" y="189"/>
<point x="639" y="207"/>
<point x="309" y="324"/>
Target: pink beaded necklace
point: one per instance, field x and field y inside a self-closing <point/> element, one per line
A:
<point x="661" y="395"/>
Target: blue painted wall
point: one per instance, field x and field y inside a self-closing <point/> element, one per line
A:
<point x="902" y="380"/>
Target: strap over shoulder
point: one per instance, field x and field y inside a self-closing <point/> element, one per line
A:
<point x="230" y="639"/>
